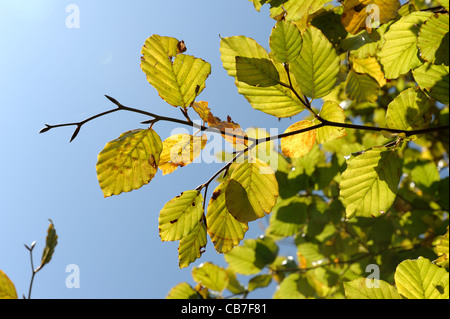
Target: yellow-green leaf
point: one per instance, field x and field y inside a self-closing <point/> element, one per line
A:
<point x="191" y="246"/>
<point x="7" y="288"/>
<point x="252" y="191"/>
<point x="180" y="215"/>
<point x="410" y="110"/>
<point x="225" y="231"/>
<point x="317" y="67"/>
<point x="370" y="66"/>
<point x="442" y="251"/>
<point x="361" y="87"/>
<point x="252" y="256"/>
<point x="211" y="276"/>
<point x="248" y="63"/>
<point x="285" y="42"/>
<point x="399" y="53"/>
<point x="178" y="82"/>
<point x="433" y="39"/>
<point x="434" y="80"/>
<point x="180" y="150"/>
<point x="420" y="279"/>
<point x="183" y="291"/>
<point x="333" y="112"/>
<point x="300" y="144"/>
<point x="369" y="185"/>
<point x="298" y="9"/>
<point x="359" y="289"/>
<point x="128" y="162"/>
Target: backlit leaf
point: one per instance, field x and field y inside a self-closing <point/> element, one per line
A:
<point x="299" y="144"/>
<point x="371" y="67"/>
<point x="297" y="9"/>
<point x="331" y="111"/>
<point x="420" y="279"/>
<point x="178" y="82"/>
<point x="285" y="42"/>
<point x="434" y="80"/>
<point x="233" y="131"/>
<point x="180" y="150"/>
<point x="259" y="281"/>
<point x="294" y="286"/>
<point x="358" y="289"/>
<point x="358" y="13"/>
<point x="180" y="215"/>
<point x="257" y="181"/>
<point x="442" y="251"/>
<point x="255" y="65"/>
<point x="433" y="40"/>
<point x="50" y="243"/>
<point x="183" y="291"/>
<point x="410" y="110"/>
<point x="202" y="109"/>
<point x="369" y="185"/>
<point x="361" y="87"/>
<point x="317" y="66"/>
<point x="191" y="246"/>
<point x="225" y="231"/>
<point x="399" y="52"/>
<point x="252" y="256"/>
<point x="7" y="288"/>
<point x="128" y="162"/>
<point x="210" y="276"/>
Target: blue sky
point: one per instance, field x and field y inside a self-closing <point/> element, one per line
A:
<point x="53" y="74"/>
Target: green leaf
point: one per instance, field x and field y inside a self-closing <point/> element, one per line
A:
<point x="50" y="243"/>
<point x="191" y="246"/>
<point x="410" y="110"/>
<point x="252" y="256"/>
<point x="333" y="112"/>
<point x="255" y="65"/>
<point x="225" y="231"/>
<point x="442" y="251"/>
<point x="425" y="174"/>
<point x="259" y="281"/>
<point x="287" y="217"/>
<point x="252" y="191"/>
<point x="294" y="286"/>
<point x="369" y="185"/>
<point x="233" y="284"/>
<point x="183" y="291"/>
<point x="180" y="215"/>
<point x="128" y="162"/>
<point x="443" y="3"/>
<point x="358" y="289"/>
<point x="399" y="52"/>
<point x="285" y="42"/>
<point x="7" y="288"/>
<point x="317" y="67"/>
<point x="433" y="40"/>
<point x="420" y="279"/>
<point x="361" y="87"/>
<point x="178" y="82"/>
<point x="211" y="276"/>
<point x="434" y="80"/>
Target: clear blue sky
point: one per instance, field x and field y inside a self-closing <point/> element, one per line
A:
<point x="53" y="74"/>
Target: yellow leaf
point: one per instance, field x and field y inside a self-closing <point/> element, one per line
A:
<point x="231" y="132"/>
<point x="371" y="67"/>
<point x="299" y="144"/>
<point x="180" y="150"/>
<point x="330" y="111"/>
<point x="202" y="109"/>
<point x="366" y="14"/>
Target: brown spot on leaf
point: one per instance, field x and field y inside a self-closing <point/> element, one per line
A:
<point x="215" y="194"/>
<point x="173" y="221"/>
<point x="181" y="47"/>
